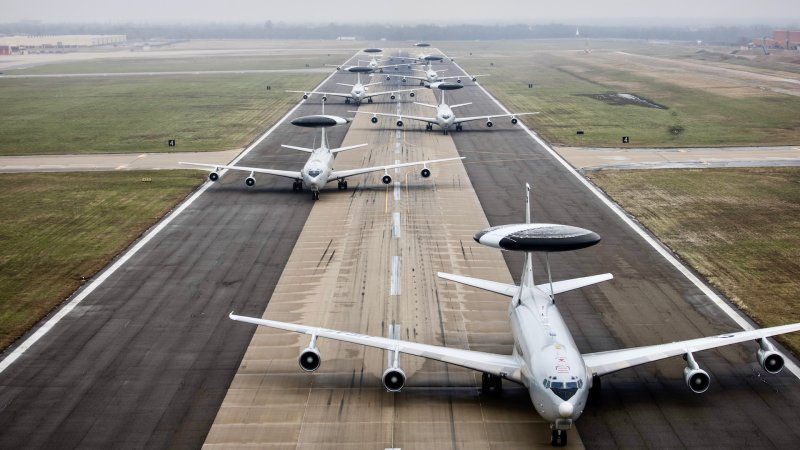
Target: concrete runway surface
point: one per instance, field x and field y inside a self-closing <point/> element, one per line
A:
<point x="146" y="360"/>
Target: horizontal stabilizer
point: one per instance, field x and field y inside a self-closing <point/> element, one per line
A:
<point x="575" y="283"/>
<point x="302" y="149"/>
<point x="349" y="147"/>
<point x="492" y="286"/>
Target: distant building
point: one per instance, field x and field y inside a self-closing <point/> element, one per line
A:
<point x="60" y="41"/>
<point x="346" y="38"/>
<point x="780" y="39"/>
<point x="5" y="49"/>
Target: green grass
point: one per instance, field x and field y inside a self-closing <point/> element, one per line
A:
<point x="561" y="75"/>
<point x="739" y="228"/>
<point x="59" y="229"/>
<point x="140" y="114"/>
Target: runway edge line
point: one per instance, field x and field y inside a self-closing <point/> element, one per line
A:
<point x="42" y="330"/>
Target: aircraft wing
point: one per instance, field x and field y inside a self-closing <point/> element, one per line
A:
<point x="614" y="360"/>
<point x="335" y="94"/>
<point x="349" y="173"/>
<point x="491" y="116"/>
<point x="412" y="77"/>
<point x="505" y="366"/>
<point x="388" y="92"/>
<point x="492" y="286"/>
<point x="400" y="116"/>
<point x="293" y="174"/>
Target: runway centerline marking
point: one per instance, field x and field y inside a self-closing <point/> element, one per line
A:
<point x="395" y="283"/>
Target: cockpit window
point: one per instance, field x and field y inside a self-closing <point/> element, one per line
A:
<point x="564" y="390"/>
<point x="445" y="116"/>
<point x="314" y="173"/>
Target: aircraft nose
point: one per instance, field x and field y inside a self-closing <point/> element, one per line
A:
<point x="565" y="409"/>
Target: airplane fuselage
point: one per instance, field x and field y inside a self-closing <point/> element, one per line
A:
<point x="317" y="170"/>
<point x="444" y="116"/>
<point x="553" y="369"/>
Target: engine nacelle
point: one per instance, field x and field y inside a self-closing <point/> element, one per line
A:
<point x="310" y="359"/>
<point x="388" y="78"/>
<point x="305" y="96"/>
<point x="386" y="179"/>
<point x="324" y="98"/>
<point x="697" y="379"/>
<point x="403" y="79"/>
<point x="394" y="379"/>
<point x="213" y="176"/>
<point x="474" y="79"/>
<point x="374" y="119"/>
<point x="411" y="94"/>
<point x="399" y="123"/>
<point x="489" y="123"/>
<point x="425" y="172"/>
<point x="514" y="120"/>
<point x="250" y="181"/>
<point x="770" y="360"/>
<point x="458" y="80"/>
<point x="392" y="96"/>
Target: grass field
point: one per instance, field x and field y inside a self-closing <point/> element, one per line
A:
<point x="140" y="114"/>
<point x="740" y="228"/>
<point x="713" y="108"/>
<point x="59" y="229"/>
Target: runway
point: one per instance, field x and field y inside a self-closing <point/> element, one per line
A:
<point x="147" y="359"/>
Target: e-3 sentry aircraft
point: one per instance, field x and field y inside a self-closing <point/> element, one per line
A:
<point x="432" y="76"/>
<point x="318" y="170"/>
<point x="544" y="358"/>
<point x="444" y="118"/>
<point x="358" y="92"/>
<point x="372" y="66"/>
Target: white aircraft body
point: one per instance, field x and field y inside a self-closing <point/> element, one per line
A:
<point x="372" y="66"/>
<point x="544" y="358"/>
<point x="444" y="118"/>
<point x="318" y="170"/>
<point x="432" y="76"/>
<point x="358" y="92"/>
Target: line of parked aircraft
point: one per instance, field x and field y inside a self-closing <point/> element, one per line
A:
<point x="545" y="359"/>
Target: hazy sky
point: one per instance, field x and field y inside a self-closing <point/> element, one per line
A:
<point x="403" y="11"/>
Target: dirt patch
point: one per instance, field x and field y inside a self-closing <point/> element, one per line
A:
<point x="622" y="99"/>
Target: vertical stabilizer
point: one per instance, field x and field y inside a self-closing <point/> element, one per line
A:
<point x="527" y="270"/>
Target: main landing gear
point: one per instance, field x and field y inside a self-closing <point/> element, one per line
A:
<point x="491" y="384"/>
<point x="459" y="127"/>
<point x="429" y="127"/>
<point x="558" y="438"/>
<point x="369" y="100"/>
<point x="297" y="186"/>
<point x="342" y="185"/>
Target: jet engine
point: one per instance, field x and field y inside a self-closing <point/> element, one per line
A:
<point x="388" y="78"/>
<point x="213" y="176"/>
<point x="411" y="94"/>
<point x="425" y="172"/>
<point x="399" y="123"/>
<point x="474" y="78"/>
<point x="514" y="120"/>
<point x="696" y="378"/>
<point x="305" y="96"/>
<point x="250" y="181"/>
<point x="324" y="98"/>
<point x="386" y="179"/>
<point x="392" y="96"/>
<point x="374" y="119"/>
<point x="770" y="360"/>
<point x="403" y="79"/>
<point x="310" y="359"/>
<point x="458" y="80"/>
<point x="394" y="379"/>
<point x="489" y="123"/>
